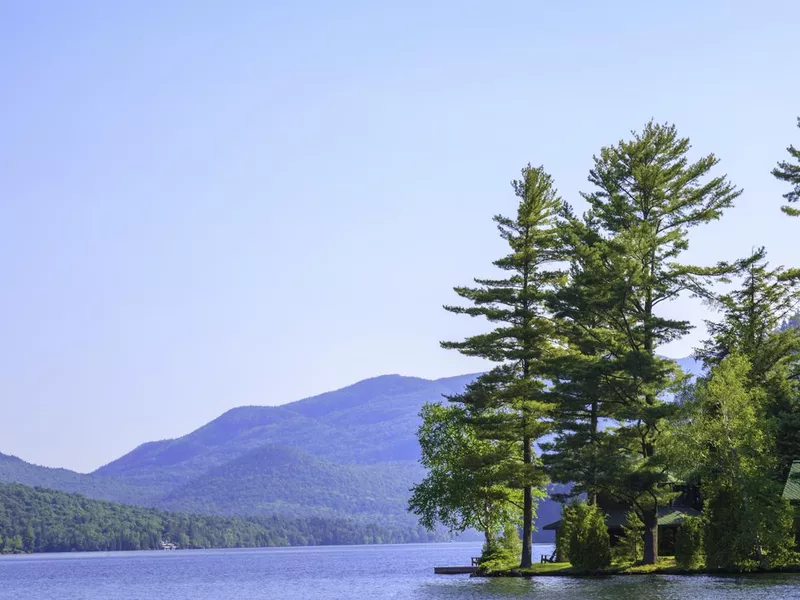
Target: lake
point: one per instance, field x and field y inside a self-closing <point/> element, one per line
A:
<point x="332" y="572"/>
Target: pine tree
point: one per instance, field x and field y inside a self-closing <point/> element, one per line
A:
<point x="790" y="172"/>
<point x="647" y="196"/>
<point x="522" y="341"/>
<point x="753" y="325"/>
<point x="580" y="375"/>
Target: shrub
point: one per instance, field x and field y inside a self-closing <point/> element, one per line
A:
<point x="689" y="544"/>
<point x="511" y="542"/>
<point x="631" y="543"/>
<point x="589" y="543"/>
<point x="564" y="533"/>
<point x="502" y="552"/>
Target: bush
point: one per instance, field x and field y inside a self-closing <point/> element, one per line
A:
<point x="589" y="543"/>
<point x="631" y="544"/>
<point x="689" y="544"/>
<point x="564" y="533"/>
<point x="502" y="552"/>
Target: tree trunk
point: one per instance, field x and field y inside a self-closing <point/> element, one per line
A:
<point x="560" y="545"/>
<point x="650" y="520"/>
<point x="594" y="423"/>
<point x="487" y="536"/>
<point x="527" y="511"/>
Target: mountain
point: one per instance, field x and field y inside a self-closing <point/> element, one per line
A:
<point x="280" y="480"/>
<point x="372" y="421"/>
<point x="16" y="470"/>
<point x="347" y="453"/>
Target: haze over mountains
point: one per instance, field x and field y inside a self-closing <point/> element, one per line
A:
<point x="347" y="453"/>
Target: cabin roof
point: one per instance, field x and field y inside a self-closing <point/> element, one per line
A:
<point x="667" y="517"/>
<point x="792" y="490"/>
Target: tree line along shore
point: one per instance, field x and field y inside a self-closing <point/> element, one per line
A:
<point x="651" y="461"/>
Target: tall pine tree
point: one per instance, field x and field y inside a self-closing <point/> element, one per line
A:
<point x="790" y="172"/>
<point x="647" y="197"/>
<point x="522" y="341"/>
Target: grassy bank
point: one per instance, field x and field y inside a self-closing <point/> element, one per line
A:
<point x="666" y="566"/>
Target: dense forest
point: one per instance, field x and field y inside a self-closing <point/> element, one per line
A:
<point x="40" y="520"/>
<point x="582" y="395"/>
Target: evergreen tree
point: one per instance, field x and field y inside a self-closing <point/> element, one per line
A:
<point x="753" y="326"/>
<point x="589" y="542"/>
<point x="631" y="546"/>
<point x="790" y="172"/>
<point x="647" y="197"/>
<point x="523" y="338"/>
<point x="753" y="318"/>
<point x="689" y="544"/>
<point x="581" y="380"/>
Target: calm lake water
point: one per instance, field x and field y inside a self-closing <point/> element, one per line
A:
<point x="398" y="571"/>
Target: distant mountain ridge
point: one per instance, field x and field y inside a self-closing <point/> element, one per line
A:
<point x="346" y="453"/>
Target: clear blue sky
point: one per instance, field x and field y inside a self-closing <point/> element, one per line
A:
<point x="211" y="204"/>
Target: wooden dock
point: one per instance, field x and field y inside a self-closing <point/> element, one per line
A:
<point x="455" y="570"/>
<point x="458" y="570"/>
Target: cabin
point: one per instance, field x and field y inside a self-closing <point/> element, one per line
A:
<point x="791" y="492"/>
<point x="670" y="518"/>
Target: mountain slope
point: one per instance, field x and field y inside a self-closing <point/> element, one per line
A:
<point x="279" y="480"/>
<point x="16" y="470"/>
<point x="371" y="421"/>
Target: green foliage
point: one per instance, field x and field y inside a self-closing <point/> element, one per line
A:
<point x="40" y="520"/>
<point x="511" y="404"/>
<point x="464" y="486"/>
<point x="756" y="324"/>
<point x="502" y="552"/>
<point x="789" y="172"/>
<point x="510" y="540"/>
<point x="745" y="530"/>
<point x="625" y="263"/>
<point x="287" y="481"/>
<point x="564" y="536"/>
<point x="689" y="545"/>
<point x="631" y="543"/>
<point x="726" y="442"/>
<point x="589" y="545"/>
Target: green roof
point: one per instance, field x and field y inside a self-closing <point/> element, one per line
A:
<point x="667" y="517"/>
<point x="792" y="490"/>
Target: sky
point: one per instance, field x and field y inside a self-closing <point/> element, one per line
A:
<point x="208" y="204"/>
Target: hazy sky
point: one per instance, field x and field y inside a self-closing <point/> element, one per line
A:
<point x="210" y="204"/>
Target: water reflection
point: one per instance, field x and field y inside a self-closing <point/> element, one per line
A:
<point x="640" y="587"/>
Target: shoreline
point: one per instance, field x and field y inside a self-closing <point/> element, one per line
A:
<point x="566" y="570"/>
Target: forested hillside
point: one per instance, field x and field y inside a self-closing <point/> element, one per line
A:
<point x="279" y="480"/>
<point x="40" y="520"/>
